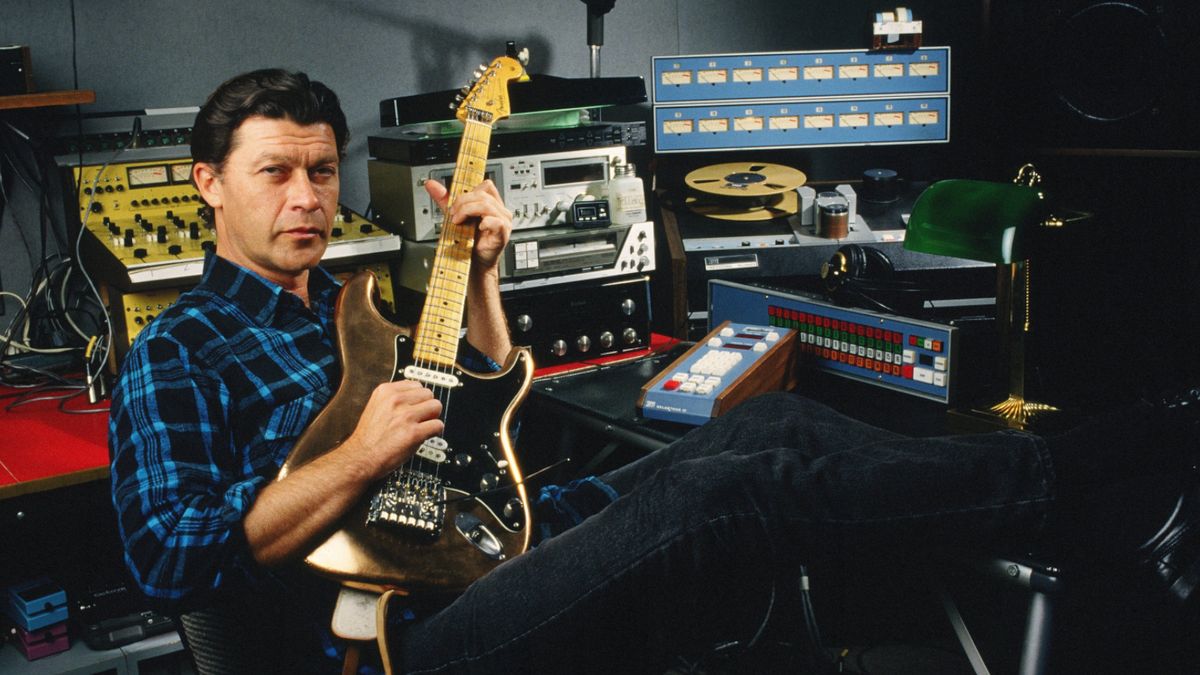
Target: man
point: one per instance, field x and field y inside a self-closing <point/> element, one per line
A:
<point x="213" y="395"/>
<point x="682" y="548"/>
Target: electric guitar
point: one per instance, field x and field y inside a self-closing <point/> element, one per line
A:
<point x="459" y="507"/>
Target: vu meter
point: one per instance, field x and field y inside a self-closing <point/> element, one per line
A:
<point x="714" y="125"/>
<point x="889" y="119"/>
<point x="148" y="176"/>
<point x="854" y="71"/>
<point x="748" y="123"/>
<point x="677" y="126"/>
<point x="853" y="120"/>
<point x="889" y="70"/>
<point x="785" y="122"/>
<point x="782" y="73"/>
<point x="923" y="69"/>
<point x="747" y="75"/>
<point x="818" y="121"/>
<point x="713" y="76"/>
<point x="923" y="117"/>
<point x="181" y="173"/>
<point x="818" y="72"/>
<point x="677" y="77"/>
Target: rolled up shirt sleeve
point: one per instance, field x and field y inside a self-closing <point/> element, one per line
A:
<point x="178" y="487"/>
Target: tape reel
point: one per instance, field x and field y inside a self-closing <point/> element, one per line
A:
<point x="744" y="191"/>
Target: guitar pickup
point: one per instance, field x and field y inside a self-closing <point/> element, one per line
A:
<point x="434" y="450"/>
<point x="430" y="377"/>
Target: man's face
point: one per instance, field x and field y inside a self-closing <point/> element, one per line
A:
<point x="276" y="197"/>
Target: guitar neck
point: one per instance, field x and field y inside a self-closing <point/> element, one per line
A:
<point x="441" y="321"/>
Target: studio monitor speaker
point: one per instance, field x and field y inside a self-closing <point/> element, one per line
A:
<point x="1097" y="74"/>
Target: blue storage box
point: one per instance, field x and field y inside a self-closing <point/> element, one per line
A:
<point x="36" y="603"/>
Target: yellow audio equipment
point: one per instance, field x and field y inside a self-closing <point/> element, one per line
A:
<point x="744" y="191"/>
<point x="149" y="228"/>
<point x="133" y="311"/>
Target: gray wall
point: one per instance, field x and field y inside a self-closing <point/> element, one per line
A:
<point x="172" y="53"/>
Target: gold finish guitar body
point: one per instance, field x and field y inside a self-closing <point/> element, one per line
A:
<point x="477" y="423"/>
<point x="460" y="506"/>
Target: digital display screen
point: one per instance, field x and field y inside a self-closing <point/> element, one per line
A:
<point x="566" y="174"/>
<point x="925" y="359"/>
<point x="749" y="336"/>
<point x="734" y="345"/>
<point x="586" y="211"/>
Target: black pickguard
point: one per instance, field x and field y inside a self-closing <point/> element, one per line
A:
<point x="475" y="418"/>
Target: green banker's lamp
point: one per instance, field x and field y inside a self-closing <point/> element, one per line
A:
<point x="991" y="222"/>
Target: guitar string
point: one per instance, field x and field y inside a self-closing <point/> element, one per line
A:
<point x="437" y="290"/>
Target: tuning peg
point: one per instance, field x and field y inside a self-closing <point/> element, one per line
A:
<point x="458" y="98"/>
<point x="454" y="106"/>
<point x="465" y="89"/>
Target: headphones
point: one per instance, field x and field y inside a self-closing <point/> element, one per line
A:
<point x="862" y="276"/>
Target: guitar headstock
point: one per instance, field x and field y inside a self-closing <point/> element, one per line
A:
<point x="486" y="99"/>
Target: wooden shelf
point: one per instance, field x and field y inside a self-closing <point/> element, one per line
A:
<point x="47" y="98"/>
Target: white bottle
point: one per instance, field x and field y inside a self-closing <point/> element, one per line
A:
<point x="626" y="197"/>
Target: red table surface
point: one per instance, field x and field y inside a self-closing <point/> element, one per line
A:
<point x="42" y="447"/>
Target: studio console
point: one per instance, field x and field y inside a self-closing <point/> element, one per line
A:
<point x="147" y="227"/>
<point x="912" y="356"/>
<point x="732" y="363"/>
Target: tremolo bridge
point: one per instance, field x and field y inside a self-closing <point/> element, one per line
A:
<point x="410" y="500"/>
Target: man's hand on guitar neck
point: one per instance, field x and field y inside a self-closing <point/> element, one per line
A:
<point x="487" y="327"/>
<point x="493" y="220"/>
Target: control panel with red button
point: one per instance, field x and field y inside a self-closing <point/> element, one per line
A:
<point x="909" y="355"/>
<point x="732" y="363"/>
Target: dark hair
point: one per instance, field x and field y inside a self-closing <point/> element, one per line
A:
<point x="274" y="93"/>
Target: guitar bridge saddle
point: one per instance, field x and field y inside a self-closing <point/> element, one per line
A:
<point x="410" y="501"/>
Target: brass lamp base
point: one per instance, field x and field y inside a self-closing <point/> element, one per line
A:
<point x="1012" y="413"/>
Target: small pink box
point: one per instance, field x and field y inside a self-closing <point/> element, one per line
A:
<point x="43" y="641"/>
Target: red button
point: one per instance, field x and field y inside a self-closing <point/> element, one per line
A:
<point x="937" y="345"/>
<point x="671" y="385"/>
<point x="907" y="370"/>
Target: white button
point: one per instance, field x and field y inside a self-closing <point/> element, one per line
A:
<point x="759" y="347"/>
<point x="939" y="363"/>
<point x="726" y="331"/>
<point x="712" y="381"/>
<point x="714" y="342"/>
<point x="909" y="356"/>
<point x="923" y="375"/>
<point x="939" y="379"/>
<point x="687" y="387"/>
<point x="696" y="378"/>
<point x="772" y="336"/>
<point x="704" y="389"/>
<point x="680" y="377"/>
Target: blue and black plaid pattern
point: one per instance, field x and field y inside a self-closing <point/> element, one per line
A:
<point x="210" y="399"/>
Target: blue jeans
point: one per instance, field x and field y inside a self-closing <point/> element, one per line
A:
<point x="704" y="527"/>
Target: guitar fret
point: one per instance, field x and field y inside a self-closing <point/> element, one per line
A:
<point x="442" y="316"/>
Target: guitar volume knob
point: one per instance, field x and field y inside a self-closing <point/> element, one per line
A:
<point x="513" y="508"/>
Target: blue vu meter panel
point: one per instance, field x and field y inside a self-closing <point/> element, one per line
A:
<point x="801" y="99"/>
<point x="802" y="124"/>
<point x="788" y="75"/>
